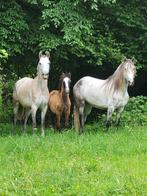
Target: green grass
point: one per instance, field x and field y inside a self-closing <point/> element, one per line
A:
<point x="95" y="163"/>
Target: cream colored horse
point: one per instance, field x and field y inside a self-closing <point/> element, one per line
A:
<point x="110" y="94"/>
<point x="32" y="94"/>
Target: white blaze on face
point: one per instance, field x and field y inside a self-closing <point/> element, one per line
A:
<point x="129" y="73"/>
<point x="67" y="82"/>
<point x="44" y="65"/>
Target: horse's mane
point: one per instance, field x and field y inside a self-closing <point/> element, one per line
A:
<point x="116" y="80"/>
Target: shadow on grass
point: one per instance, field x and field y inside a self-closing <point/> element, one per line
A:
<point x="7" y="129"/>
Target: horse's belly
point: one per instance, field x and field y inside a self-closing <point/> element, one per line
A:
<point x="97" y="103"/>
<point x="96" y="99"/>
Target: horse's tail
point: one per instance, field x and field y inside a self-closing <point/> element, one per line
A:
<point x="76" y="118"/>
<point x="21" y="113"/>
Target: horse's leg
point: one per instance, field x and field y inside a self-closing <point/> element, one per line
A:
<point x="67" y="119"/>
<point x="87" y="110"/>
<point x="43" y="113"/>
<point x="16" y="107"/>
<point x="67" y="113"/>
<point x="118" y="112"/>
<point x="27" y="114"/>
<point x="33" y="111"/>
<point x="82" y="116"/>
<point x="58" y="124"/>
<point x="110" y="111"/>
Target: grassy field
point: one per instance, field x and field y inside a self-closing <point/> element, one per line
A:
<point x="95" y="163"/>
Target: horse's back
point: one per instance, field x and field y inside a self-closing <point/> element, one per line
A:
<point x="88" y="84"/>
<point x="23" y="83"/>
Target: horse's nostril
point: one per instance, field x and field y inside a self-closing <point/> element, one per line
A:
<point x="45" y="76"/>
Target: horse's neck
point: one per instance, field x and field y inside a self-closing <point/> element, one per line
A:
<point x="118" y="84"/>
<point x="41" y="83"/>
<point x="63" y="95"/>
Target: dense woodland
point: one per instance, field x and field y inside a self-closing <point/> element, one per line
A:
<point x="85" y="37"/>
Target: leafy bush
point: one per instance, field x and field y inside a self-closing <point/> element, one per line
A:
<point x="3" y="58"/>
<point x="6" y="105"/>
<point x="1" y="95"/>
<point x="6" y="86"/>
<point x="135" y="113"/>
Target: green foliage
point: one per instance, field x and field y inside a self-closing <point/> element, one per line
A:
<point x="6" y="87"/>
<point x="6" y="103"/>
<point x="3" y="58"/>
<point x="3" y="55"/>
<point x="1" y="86"/>
<point x="13" y="28"/>
<point x="136" y="111"/>
<point x="134" y="114"/>
<point x="93" y="31"/>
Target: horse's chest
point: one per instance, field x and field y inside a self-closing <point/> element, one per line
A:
<point x="42" y="99"/>
<point x="120" y="101"/>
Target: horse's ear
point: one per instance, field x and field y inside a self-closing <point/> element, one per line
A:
<point x="69" y="74"/>
<point x="62" y="74"/>
<point x="40" y="54"/>
<point x="124" y="59"/>
<point x="133" y="59"/>
<point x="47" y="53"/>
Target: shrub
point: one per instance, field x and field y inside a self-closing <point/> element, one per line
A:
<point x="6" y="105"/>
<point x="135" y="112"/>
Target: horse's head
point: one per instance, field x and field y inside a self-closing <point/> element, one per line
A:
<point x="66" y="80"/>
<point x="129" y="71"/>
<point x="44" y="65"/>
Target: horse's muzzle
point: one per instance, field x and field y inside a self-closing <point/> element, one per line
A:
<point x="45" y="76"/>
<point x="131" y="83"/>
<point x="67" y="92"/>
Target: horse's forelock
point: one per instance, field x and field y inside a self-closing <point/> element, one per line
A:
<point x="62" y="76"/>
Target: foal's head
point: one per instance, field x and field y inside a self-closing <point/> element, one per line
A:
<point x="44" y="65"/>
<point x="65" y="80"/>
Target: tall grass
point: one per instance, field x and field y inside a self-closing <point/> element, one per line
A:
<point x="95" y="163"/>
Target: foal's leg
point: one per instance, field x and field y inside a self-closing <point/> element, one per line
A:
<point x="58" y="124"/>
<point x="27" y="114"/>
<point x="118" y="112"/>
<point x="110" y="111"/>
<point x="33" y="111"/>
<point x="67" y="113"/>
<point x="43" y="113"/>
